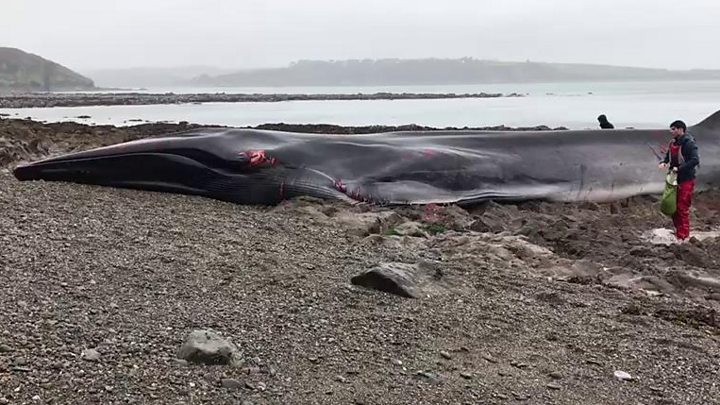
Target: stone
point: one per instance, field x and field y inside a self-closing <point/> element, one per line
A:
<point x="231" y="384"/>
<point x="622" y="376"/>
<point x="411" y="229"/>
<point x="394" y="278"/>
<point x="207" y="347"/>
<point x="90" y="355"/>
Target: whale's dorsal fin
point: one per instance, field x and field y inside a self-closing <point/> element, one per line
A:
<point x="711" y="122"/>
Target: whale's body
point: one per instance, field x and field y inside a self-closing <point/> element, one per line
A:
<point x="265" y="167"/>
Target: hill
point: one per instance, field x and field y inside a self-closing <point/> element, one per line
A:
<point x="439" y="71"/>
<point x="22" y="71"/>
<point x="136" y="77"/>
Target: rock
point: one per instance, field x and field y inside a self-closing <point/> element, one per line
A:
<point x="486" y="224"/>
<point x="181" y="362"/>
<point x="367" y="223"/>
<point x="430" y="377"/>
<point x="622" y="376"/>
<point x="466" y="375"/>
<point x="410" y="229"/>
<point x="455" y="218"/>
<point x="555" y="375"/>
<point x="207" y="347"/>
<point x="20" y="361"/>
<point x="251" y="370"/>
<point x="394" y="278"/>
<point x="5" y="348"/>
<point x="553" y="386"/>
<point x="90" y="355"/>
<point x="445" y="355"/>
<point x="231" y="384"/>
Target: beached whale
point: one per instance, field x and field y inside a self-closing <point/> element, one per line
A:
<point x="465" y="167"/>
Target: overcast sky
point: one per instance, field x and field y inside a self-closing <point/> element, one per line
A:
<point x="91" y="34"/>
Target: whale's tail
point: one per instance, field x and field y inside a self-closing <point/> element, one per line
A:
<point x="712" y="122"/>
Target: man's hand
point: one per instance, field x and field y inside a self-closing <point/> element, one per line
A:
<point x="662" y="165"/>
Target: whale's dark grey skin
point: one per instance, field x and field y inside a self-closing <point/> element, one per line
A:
<point x="463" y="167"/>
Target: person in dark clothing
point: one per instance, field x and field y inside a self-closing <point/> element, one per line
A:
<point x="682" y="157"/>
<point x="604" y="123"/>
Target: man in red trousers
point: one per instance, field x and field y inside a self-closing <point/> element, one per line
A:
<point x="682" y="158"/>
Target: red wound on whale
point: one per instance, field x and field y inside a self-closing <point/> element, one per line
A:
<point x="258" y="158"/>
<point x="340" y="186"/>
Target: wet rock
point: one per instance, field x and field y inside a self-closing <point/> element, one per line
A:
<point x="207" y="347"/>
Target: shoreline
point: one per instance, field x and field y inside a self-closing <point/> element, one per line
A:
<point x="44" y="100"/>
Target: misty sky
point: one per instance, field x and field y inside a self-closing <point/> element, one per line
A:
<point x="91" y="34"/>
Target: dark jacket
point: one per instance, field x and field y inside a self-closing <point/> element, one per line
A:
<point x="687" y="160"/>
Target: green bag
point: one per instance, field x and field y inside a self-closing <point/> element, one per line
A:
<point x="668" y="203"/>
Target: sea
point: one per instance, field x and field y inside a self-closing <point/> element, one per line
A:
<point x="574" y="105"/>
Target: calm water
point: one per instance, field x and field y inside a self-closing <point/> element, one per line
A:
<point x="573" y="105"/>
